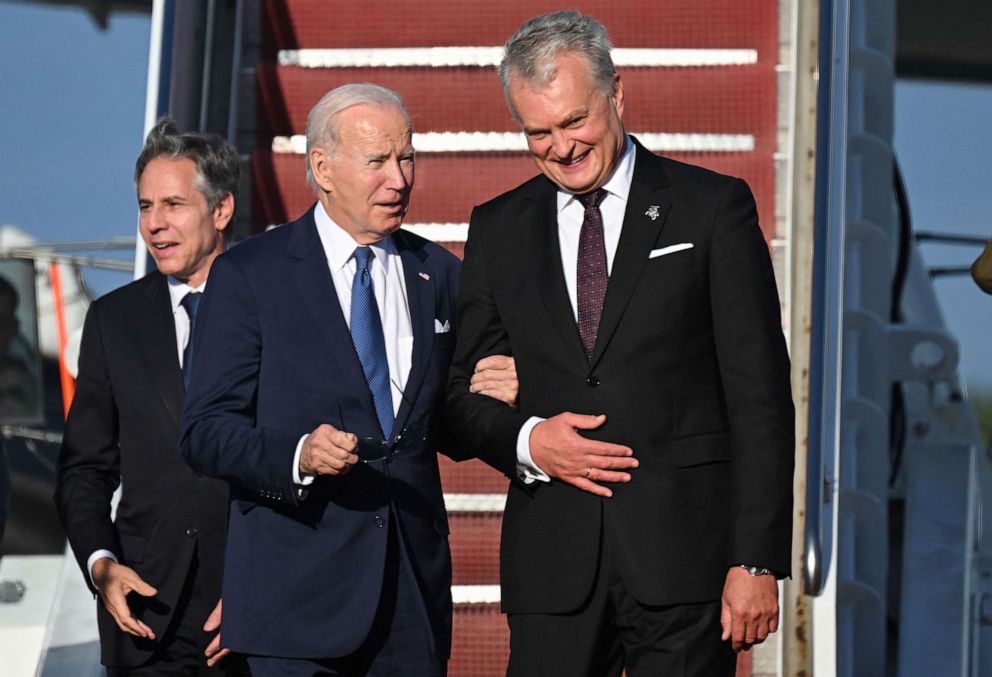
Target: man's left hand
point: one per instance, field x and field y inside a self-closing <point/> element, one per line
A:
<point x="749" y="610"/>
<point x="496" y="376"/>
<point x="214" y="652"/>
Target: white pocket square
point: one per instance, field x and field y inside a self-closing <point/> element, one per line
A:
<point x="670" y="249"/>
<point x="440" y="328"/>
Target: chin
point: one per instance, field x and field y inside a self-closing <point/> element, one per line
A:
<point x="391" y="226"/>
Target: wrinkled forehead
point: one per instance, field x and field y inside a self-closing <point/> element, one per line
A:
<point x="374" y="127"/>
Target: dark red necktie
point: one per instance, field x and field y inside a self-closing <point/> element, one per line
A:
<point x="591" y="276"/>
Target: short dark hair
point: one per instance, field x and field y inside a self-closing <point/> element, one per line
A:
<point x="218" y="167"/>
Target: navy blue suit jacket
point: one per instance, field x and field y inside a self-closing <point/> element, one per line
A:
<point x="274" y="359"/>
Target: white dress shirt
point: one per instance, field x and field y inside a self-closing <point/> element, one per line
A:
<point x="386" y="268"/>
<point x="180" y="319"/>
<point x="571" y="213"/>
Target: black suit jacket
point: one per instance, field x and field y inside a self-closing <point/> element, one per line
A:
<point x="689" y="366"/>
<point x="123" y="427"/>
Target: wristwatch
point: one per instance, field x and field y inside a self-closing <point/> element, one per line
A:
<point x="755" y="571"/>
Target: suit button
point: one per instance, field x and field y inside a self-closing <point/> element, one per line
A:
<point x="593" y="381"/>
<point x="191" y="532"/>
<point x="379" y="522"/>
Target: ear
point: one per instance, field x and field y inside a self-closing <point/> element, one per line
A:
<point x="223" y="212"/>
<point x="322" y="169"/>
<point x="618" y="94"/>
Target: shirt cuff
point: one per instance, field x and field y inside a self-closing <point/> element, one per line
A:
<point x="97" y="554"/>
<point x="527" y="470"/>
<point x="298" y="480"/>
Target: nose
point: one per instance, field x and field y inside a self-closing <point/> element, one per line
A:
<point x="153" y="219"/>
<point x="561" y="143"/>
<point x="400" y="176"/>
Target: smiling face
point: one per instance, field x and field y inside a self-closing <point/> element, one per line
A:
<point x="366" y="179"/>
<point x="574" y="131"/>
<point x="182" y="233"/>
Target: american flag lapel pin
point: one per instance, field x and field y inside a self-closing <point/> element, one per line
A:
<point x="425" y="276"/>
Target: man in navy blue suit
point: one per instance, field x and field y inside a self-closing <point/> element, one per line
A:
<point x="321" y="367"/>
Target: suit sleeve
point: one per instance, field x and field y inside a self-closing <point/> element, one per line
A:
<point x="486" y="428"/>
<point x="88" y="470"/>
<point x="755" y="373"/>
<point x="220" y="435"/>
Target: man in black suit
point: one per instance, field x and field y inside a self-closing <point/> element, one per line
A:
<point x="651" y="456"/>
<point x="157" y="569"/>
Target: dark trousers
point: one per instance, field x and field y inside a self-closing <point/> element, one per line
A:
<point x="400" y="642"/>
<point x="613" y="632"/>
<point x="180" y="649"/>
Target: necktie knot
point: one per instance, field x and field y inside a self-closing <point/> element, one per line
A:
<point x="593" y="199"/>
<point x="191" y="302"/>
<point x="363" y="257"/>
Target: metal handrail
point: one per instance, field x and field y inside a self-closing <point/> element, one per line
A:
<point x="826" y="304"/>
<point x="949" y="238"/>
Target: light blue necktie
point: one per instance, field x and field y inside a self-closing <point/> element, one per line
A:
<point x="366" y="334"/>
<point x="190" y="302"/>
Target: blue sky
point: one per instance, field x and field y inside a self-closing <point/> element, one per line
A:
<point x="943" y="141"/>
<point x="72" y="101"/>
<point x="72" y="108"/>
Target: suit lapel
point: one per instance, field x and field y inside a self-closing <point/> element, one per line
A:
<point x="157" y="336"/>
<point x="544" y="258"/>
<point x="420" y="300"/>
<point x="313" y="278"/>
<point x="648" y="204"/>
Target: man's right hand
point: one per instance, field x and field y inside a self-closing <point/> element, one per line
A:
<point x="558" y="450"/>
<point x="115" y="582"/>
<point x="328" y="451"/>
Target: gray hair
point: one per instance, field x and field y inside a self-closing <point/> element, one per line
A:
<point x="322" y="127"/>
<point x="218" y="168"/>
<point x="532" y="51"/>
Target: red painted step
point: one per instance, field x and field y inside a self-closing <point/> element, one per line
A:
<point x="474" y="541"/>
<point x="448" y="185"/>
<point x="730" y="24"/>
<point x="470" y="477"/>
<point x="480" y="642"/>
<point x="725" y="99"/>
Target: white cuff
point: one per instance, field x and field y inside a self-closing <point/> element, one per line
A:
<point x="97" y="554"/>
<point x="305" y="480"/>
<point x="527" y="470"/>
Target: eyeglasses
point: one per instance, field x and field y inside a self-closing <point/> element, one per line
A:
<point x="376" y="449"/>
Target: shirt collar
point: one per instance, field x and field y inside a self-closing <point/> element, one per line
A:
<point x="339" y="246"/>
<point x="619" y="182"/>
<point x="179" y="289"/>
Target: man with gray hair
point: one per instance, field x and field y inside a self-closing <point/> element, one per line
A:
<point x="651" y="453"/>
<point x="323" y="359"/>
<point x="157" y="568"/>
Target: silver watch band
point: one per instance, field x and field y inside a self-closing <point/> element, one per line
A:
<point x="755" y="571"/>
